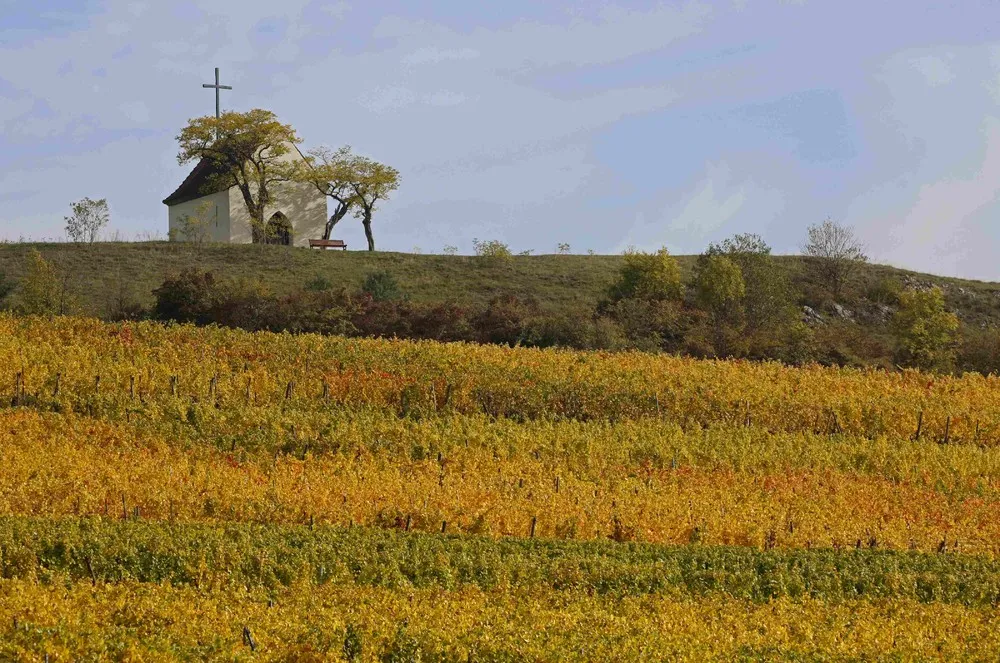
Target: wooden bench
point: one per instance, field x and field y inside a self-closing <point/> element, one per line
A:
<point x="327" y="244"/>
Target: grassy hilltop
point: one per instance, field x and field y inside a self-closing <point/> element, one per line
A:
<point x="560" y="283"/>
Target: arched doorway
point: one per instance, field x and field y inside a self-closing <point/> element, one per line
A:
<point x="278" y="230"/>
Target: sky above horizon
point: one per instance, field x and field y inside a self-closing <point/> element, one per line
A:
<point x="600" y="124"/>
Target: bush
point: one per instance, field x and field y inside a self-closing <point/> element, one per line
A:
<point x="442" y="322"/>
<point x="186" y="297"/>
<point x="382" y="287"/>
<point x="7" y="287"/>
<point x="319" y="283"/>
<point x="648" y="325"/>
<point x="492" y="252"/>
<point x="42" y="290"/>
<point x="979" y="351"/>
<point x="885" y="291"/>
<point x="649" y="276"/>
<point x="582" y="332"/>
<point x="503" y="320"/>
<point x="926" y="333"/>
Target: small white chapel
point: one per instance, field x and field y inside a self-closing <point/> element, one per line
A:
<point x="296" y="214"/>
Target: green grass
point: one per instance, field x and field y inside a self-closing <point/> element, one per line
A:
<point x="98" y="273"/>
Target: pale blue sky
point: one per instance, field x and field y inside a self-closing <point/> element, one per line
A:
<point x="599" y="124"/>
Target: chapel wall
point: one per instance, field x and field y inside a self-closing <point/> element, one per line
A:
<point x="218" y="206"/>
<point x="301" y="203"/>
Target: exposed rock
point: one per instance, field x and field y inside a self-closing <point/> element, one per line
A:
<point x="843" y="313"/>
<point x="811" y="317"/>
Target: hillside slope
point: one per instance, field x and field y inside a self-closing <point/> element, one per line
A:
<point x="97" y="273"/>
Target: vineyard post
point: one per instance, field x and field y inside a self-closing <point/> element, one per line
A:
<point x="920" y="424"/>
<point x="124" y="508"/>
<point x="248" y="639"/>
<point x="289" y="389"/>
<point x="131" y="387"/>
<point x="173" y="385"/>
<point x="326" y="390"/>
<point x="444" y="526"/>
<point x="947" y="429"/>
<point x="534" y="521"/>
<point x="97" y="384"/>
<point x="409" y="522"/>
<point x="447" y="396"/>
<point x="211" y="386"/>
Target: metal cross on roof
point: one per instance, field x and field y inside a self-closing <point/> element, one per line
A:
<point x="217" y="88"/>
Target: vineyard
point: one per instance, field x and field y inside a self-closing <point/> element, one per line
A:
<point x="171" y="492"/>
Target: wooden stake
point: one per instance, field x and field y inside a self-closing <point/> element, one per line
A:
<point x="947" y="429"/>
<point x="534" y="521"/>
<point x="173" y="385"/>
<point x="920" y="425"/>
<point x="90" y="569"/>
<point x="409" y="522"/>
<point x="444" y="526"/>
<point x="131" y="387"/>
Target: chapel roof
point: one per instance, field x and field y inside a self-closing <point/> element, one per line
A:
<point x="193" y="185"/>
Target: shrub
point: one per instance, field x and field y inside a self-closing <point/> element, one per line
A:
<point x="442" y="322"/>
<point x="319" y="283"/>
<point x="503" y="320"/>
<point x="42" y="291"/>
<point x="648" y="325"/>
<point x="186" y="297"/>
<point x="382" y="287"/>
<point x="885" y="291"/>
<point x="979" y="350"/>
<point x="650" y="276"/>
<point x="492" y="252"/>
<point x="925" y="332"/>
<point x="7" y="286"/>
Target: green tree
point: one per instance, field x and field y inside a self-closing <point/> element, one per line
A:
<point x="649" y="276"/>
<point x="926" y="333"/>
<point x="720" y="291"/>
<point x="372" y="182"/>
<point x="332" y="174"/>
<point x="42" y="290"/>
<point x="87" y="219"/>
<point x="767" y="300"/>
<point x="353" y="182"/>
<point x="252" y="151"/>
